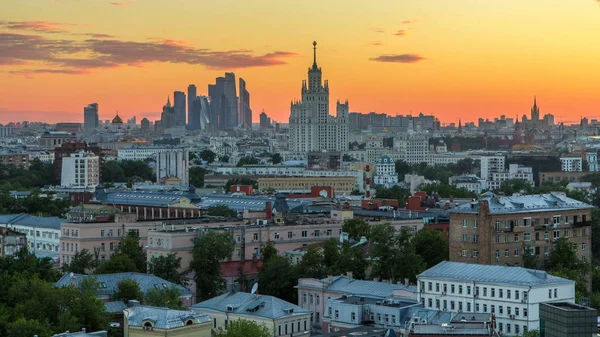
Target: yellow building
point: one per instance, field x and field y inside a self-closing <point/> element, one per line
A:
<point x="280" y="317"/>
<point x="143" y="321"/>
<point x="341" y="184"/>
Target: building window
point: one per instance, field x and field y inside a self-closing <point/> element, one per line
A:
<point x="460" y="289"/>
<point x="583" y="246"/>
<point x="475" y="238"/>
<point x="485" y="308"/>
<point x="102" y="232"/>
<point x="316" y="232"/>
<point x="549" y="293"/>
<point x="430" y="302"/>
<point x="556" y="219"/>
<point x="475" y="253"/>
<point x="484" y="291"/>
<point x="497" y="239"/>
<point x="501" y="310"/>
<point x="524" y="312"/>
<point x="497" y="254"/>
<point x="311" y="299"/>
<point x="304" y="234"/>
<point x="475" y="223"/>
<point x="500" y="327"/>
<point x="516" y="237"/>
<point x="276" y="236"/>
<point x="516" y="294"/>
<point x="527" y="237"/>
<point x="493" y="308"/>
<point x="429" y="286"/>
<point x="493" y="292"/>
<point x="507" y="327"/>
<point x="476" y="307"/>
<point x="556" y="234"/>
<point x="468" y="290"/>
<point x="445" y="288"/>
<point x="516" y="252"/>
<point x="290" y="235"/>
<point x="468" y="306"/>
<point x="255" y="236"/>
<point x="353" y="316"/>
<point x="507" y="253"/>
<point x="452" y="305"/>
<point x="497" y="226"/>
<point x="500" y="293"/>
<point x="555" y="293"/>
<point x="516" y="311"/>
<point x="464" y="237"/>
<point x="508" y="293"/>
<point x="437" y="287"/>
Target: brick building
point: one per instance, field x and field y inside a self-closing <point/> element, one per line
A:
<point x="498" y="229"/>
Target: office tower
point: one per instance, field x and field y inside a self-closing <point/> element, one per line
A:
<point x="80" y="169"/>
<point x="168" y="117"/>
<point x="90" y="117"/>
<point x="245" y="115"/>
<point x="172" y="167"/>
<point x="191" y="95"/>
<point x="145" y="125"/>
<point x="199" y="113"/>
<point x="179" y="107"/>
<point x="311" y="126"/>
<point x="265" y="121"/>
<point x="223" y="100"/>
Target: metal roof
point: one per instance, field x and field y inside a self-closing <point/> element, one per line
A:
<point x="504" y="275"/>
<point x="252" y="305"/>
<point x="25" y="219"/>
<point x="144" y="198"/>
<point x="163" y="318"/>
<point x="240" y="203"/>
<point x="108" y="282"/>
<point x="523" y="203"/>
<point x="346" y="285"/>
<point x="115" y="307"/>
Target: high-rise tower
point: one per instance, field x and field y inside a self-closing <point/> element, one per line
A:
<point x="179" y="107"/>
<point x="90" y="117"/>
<point x="191" y="95"/>
<point x="223" y="103"/>
<point x="311" y="126"/>
<point x="245" y="113"/>
<point x="535" y="111"/>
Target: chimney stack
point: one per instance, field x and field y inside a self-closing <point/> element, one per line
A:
<point x="349" y="275"/>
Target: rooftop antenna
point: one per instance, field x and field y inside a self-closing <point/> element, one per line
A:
<point x="254" y="289"/>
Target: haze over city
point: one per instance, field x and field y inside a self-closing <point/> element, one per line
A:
<point x="466" y="59"/>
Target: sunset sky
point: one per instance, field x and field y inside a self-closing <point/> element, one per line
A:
<point x="451" y="58"/>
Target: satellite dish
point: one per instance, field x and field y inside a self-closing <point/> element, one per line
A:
<point x="254" y="288"/>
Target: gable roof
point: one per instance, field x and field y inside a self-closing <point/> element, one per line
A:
<point x="522" y="203"/>
<point x="108" y="282"/>
<point x="163" y="318"/>
<point x="505" y="275"/>
<point x="242" y="303"/>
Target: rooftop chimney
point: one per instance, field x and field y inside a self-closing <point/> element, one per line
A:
<point x="349" y="275"/>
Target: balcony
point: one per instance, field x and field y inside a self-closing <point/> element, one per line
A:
<point x="582" y="224"/>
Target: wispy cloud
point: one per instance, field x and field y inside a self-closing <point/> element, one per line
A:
<point x="401" y="32"/>
<point x="76" y="57"/>
<point x="379" y="30"/>
<point x="100" y="35"/>
<point x="409" y="22"/>
<point x="399" y="58"/>
<point x="37" y="26"/>
<point x="376" y="43"/>
<point x="121" y="4"/>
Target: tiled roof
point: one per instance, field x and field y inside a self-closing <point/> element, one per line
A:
<point x="345" y="285"/>
<point x="24" y="219"/>
<point x="163" y="318"/>
<point x="108" y="282"/>
<point x="252" y="305"/>
<point x="505" y="275"/>
<point x="523" y="203"/>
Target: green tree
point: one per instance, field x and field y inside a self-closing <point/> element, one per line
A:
<point x="530" y="259"/>
<point x="276" y="158"/>
<point x="26" y="263"/>
<point x="356" y="192"/>
<point x="197" y="176"/>
<point x="530" y="333"/>
<point x="351" y="259"/>
<point x="396" y="192"/>
<point x="81" y="262"/>
<point x="395" y="256"/>
<point x="402" y="168"/>
<point x="312" y="264"/>
<point x="221" y="210"/>
<point x="431" y="246"/>
<point x="247" y="161"/>
<point x="224" y="159"/>
<point x="356" y="228"/>
<point x="169" y="298"/>
<point x="208" y="251"/>
<point x="564" y="263"/>
<point x="268" y="250"/>
<point x="24" y="327"/>
<point x="446" y="191"/>
<point x="128" y="290"/>
<point x="118" y="263"/>
<point x="208" y="156"/>
<point x="168" y="268"/>
<point x="245" y="328"/>
<point x="512" y="186"/>
<point x="277" y="278"/>
<point x="131" y="247"/>
<point x="331" y="254"/>
<point x="112" y="172"/>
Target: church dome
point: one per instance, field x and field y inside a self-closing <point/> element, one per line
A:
<point x="117" y="120"/>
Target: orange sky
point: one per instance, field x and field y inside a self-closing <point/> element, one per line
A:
<point x="452" y="58"/>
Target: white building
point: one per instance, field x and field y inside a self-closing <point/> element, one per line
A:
<point x="385" y="172"/>
<point x="469" y="182"/>
<point x="280" y="317"/>
<point x="311" y="126"/>
<point x="515" y="171"/>
<point x="80" y="169"/>
<point x="42" y="233"/>
<point x="413" y="149"/>
<point x="173" y="164"/>
<point x="139" y="152"/>
<point x="491" y="165"/>
<point x="571" y="164"/>
<point x="512" y="293"/>
<point x="592" y="160"/>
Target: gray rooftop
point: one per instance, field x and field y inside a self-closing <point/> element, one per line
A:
<point x="252" y="305"/>
<point x="240" y="203"/>
<point x="346" y="285"/>
<point x="115" y="307"/>
<point x="144" y="198"/>
<point x="24" y="219"/>
<point x="522" y="203"/>
<point x="108" y="282"/>
<point x="163" y="318"/>
<point x="505" y="275"/>
<point x="82" y="333"/>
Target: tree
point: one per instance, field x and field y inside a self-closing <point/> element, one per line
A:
<point x="530" y="259"/>
<point x="277" y="278"/>
<point x="402" y="168"/>
<point x="221" y="210"/>
<point x="169" y="298"/>
<point x="242" y="181"/>
<point x="207" y="253"/>
<point x="356" y="228"/>
<point x="446" y="191"/>
<point x="245" y="328"/>
<point x="167" y="267"/>
<point x="276" y="158"/>
<point x="312" y="264"/>
<point x="513" y="186"/>
<point x="24" y="327"/>
<point x="564" y="263"/>
<point x="197" y="176"/>
<point x="268" y="250"/>
<point x="224" y="159"/>
<point x="395" y="256"/>
<point x="208" y="156"/>
<point x="118" y="263"/>
<point x="431" y="246"/>
<point x="395" y="192"/>
<point x="350" y="259"/>
<point x="247" y="161"/>
<point x="131" y="247"/>
<point x="81" y="262"/>
<point x="128" y="290"/>
<point x="112" y="172"/>
<point x="27" y="264"/>
<point x="356" y="192"/>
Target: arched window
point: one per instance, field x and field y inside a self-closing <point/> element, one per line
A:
<point x="189" y="322"/>
<point x="148" y="326"/>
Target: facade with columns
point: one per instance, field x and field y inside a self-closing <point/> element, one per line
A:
<point x="311" y="126"/>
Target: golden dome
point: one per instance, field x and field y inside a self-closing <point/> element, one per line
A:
<point x="117" y="119"/>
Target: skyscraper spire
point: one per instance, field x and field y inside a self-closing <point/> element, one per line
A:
<point x="314" y="54"/>
<point x="168" y="101"/>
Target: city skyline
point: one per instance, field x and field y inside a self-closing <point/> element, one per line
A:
<point x="452" y="59"/>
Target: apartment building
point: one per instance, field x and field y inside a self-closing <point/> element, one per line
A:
<point x="342" y="184"/>
<point x="513" y="294"/>
<point x="17" y="159"/>
<point x="498" y="229"/>
<point x="314" y="294"/>
<point x="571" y="164"/>
<point x="280" y="317"/>
<point x="492" y="164"/>
<point x="141" y="152"/>
<point x="42" y="233"/>
<point x="515" y="171"/>
<point x="11" y="242"/>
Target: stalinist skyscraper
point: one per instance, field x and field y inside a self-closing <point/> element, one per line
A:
<point x="311" y="126"/>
